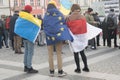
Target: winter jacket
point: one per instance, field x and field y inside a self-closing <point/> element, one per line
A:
<point x="1" y="27"/>
<point x="12" y="25"/>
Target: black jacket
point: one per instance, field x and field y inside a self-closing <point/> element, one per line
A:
<point x="12" y="25"/>
<point x="1" y="27"/>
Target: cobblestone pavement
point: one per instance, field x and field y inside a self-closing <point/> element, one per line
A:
<point x="104" y="64"/>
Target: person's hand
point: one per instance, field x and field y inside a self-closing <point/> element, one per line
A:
<point x="95" y="22"/>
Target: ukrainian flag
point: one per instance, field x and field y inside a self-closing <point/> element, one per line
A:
<point x="65" y="6"/>
<point x="27" y="26"/>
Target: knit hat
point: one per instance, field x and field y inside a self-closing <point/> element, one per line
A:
<point x="28" y="8"/>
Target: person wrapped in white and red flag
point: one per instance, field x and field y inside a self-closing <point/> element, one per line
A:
<point x="78" y="27"/>
<point x="81" y="32"/>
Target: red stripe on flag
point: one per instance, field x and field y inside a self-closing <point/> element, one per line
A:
<point x="77" y="26"/>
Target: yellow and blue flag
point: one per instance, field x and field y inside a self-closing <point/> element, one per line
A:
<point x="27" y="26"/>
<point x="65" y="6"/>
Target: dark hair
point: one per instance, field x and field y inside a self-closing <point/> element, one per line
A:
<point x="75" y="7"/>
<point x="90" y="9"/>
<point x="51" y="6"/>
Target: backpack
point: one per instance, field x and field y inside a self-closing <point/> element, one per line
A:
<point x="110" y="23"/>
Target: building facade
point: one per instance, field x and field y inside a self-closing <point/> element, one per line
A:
<point x="39" y="6"/>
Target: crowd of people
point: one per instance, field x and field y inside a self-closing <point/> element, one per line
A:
<point x="55" y="27"/>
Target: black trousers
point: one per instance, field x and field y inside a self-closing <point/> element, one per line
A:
<point x="77" y="61"/>
<point x="92" y="42"/>
<point x="98" y="39"/>
<point x="112" y="34"/>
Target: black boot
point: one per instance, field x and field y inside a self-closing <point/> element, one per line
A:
<point x="25" y="69"/>
<point x="84" y="58"/>
<point x="76" y="57"/>
<point x="31" y="70"/>
<point x="77" y="70"/>
<point x="86" y="69"/>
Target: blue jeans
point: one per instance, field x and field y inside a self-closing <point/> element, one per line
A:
<point x="28" y="55"/>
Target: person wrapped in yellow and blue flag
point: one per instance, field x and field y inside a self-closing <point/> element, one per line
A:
<point x="55" y="26"/>
<point x="27" y="26"/>
<point x="56" y="32"/>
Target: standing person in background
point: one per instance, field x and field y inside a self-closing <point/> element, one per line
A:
<point x="96" y="18"/>
<point x="1" y="33"/>
<point x="77" y="24"/>
<point x="16" y="40"/>
<point x="104" y="32"/>
<point x="119" y="29"/>
<point x="7" y="27"/>
<point x="90" y="20"/>
<point x="5" y="33"/>
<point x="111" y="22"/>
<point x="56" y="32"/>
<point x="41" y="36"/>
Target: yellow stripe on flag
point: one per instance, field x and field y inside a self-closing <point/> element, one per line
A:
<point x="63" y="10"/>
<point x="30" y="18"/>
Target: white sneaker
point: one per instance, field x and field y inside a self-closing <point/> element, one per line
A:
<point x="51" y="75"/>
<point x="61" y="73"/>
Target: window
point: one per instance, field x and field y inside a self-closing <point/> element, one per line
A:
<point x="1" y="2"/>
<point x="22" y="2"/>
<point x="32" y="2"/>
<point x="15" y="2"/>
<point x="38" y="3"/>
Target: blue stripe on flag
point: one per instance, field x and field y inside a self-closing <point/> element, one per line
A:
<point x="26" y="29"/>
<point x="66" y="4"/>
